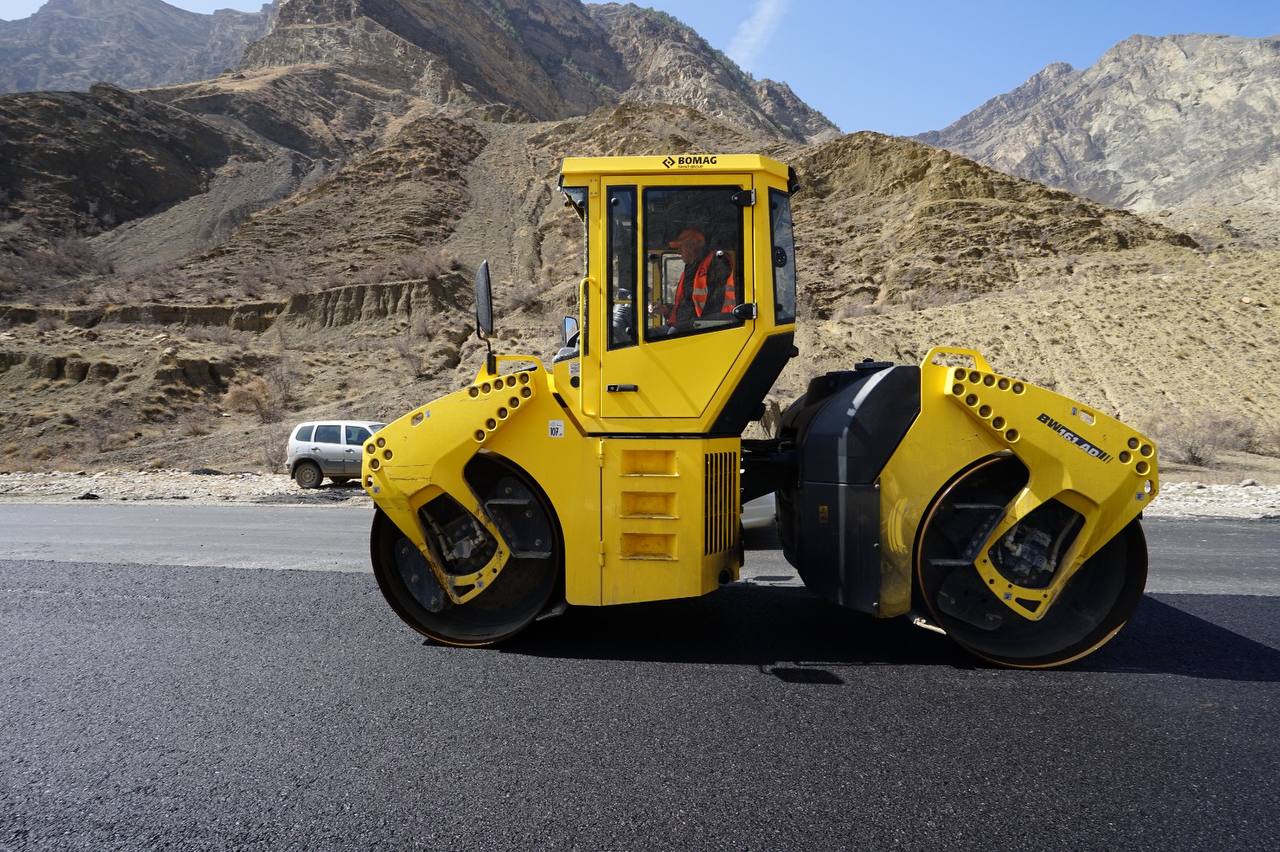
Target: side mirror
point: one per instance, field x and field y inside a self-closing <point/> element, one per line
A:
<point x="568" y="328"/>
<point x="484" y="302"/>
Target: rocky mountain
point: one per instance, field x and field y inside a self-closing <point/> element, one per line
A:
<point x="1184" y="120"/>
<point x="533" y="59"/>
<point x="668" y="62"/>
<point x="71" y="44"/>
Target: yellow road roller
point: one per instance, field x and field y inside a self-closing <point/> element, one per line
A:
<point x="971" y="501"/>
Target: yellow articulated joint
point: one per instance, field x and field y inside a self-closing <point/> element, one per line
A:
<point x="1099" y="468"/>
<point x="404" y="470"/>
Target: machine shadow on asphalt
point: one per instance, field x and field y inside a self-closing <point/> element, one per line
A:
<point x="1161" y="638"/>
<point x="789" y="634"/>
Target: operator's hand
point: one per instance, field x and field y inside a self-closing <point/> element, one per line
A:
<point x="659" y="309"/>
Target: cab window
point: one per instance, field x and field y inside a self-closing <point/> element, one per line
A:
<point x="357" y="435"/>
<point x="621" y="266"/>
<point x="328" y="434"/>
<point x="784" y="258"/>
<point x="693" y="254"/>
<point x="577" y="198"/>
<point x="304" y="432"/>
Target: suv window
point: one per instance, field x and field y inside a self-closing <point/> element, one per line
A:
<point x="328" y="434"/>
<point x="357" y="435"/>
<point x="304" y="432"/>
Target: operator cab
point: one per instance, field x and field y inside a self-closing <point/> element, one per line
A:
<point x="687" y="305"/>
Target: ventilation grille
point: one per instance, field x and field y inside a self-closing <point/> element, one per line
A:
<point x="720" y="502"/>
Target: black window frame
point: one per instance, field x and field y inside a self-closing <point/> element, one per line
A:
<point x="736" y="322"/>
<point x="608" y="265"/>
<point x="579" y="199"/>
<point x="773" y="267"/>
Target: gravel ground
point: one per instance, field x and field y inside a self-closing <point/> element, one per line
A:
<point x="1194" y="499"/>
<point x="171" y="486"/>
<point x="1176" y="500"/>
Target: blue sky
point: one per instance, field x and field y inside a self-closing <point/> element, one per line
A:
<point x="907" y="66"/>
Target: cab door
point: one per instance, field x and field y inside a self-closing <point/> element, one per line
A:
<point x="659" y="361"/>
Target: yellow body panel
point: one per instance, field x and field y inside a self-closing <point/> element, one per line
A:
<point x="968" y="413"/>
<point x="575" y="169"/>
<point x="671" y="517"/>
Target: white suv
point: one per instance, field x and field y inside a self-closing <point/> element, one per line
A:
<point x="329" y="448"/>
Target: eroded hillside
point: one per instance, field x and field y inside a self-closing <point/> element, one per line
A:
<point x="297" y="238"/>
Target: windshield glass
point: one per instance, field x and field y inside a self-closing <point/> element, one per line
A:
<point x="693" y="246"/>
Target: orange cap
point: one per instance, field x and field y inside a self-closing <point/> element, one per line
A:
<point x="686" y="236"/>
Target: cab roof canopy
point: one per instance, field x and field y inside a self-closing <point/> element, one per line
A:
<point x="585" y="167"/>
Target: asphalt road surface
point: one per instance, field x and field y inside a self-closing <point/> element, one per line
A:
<point x="153" y="693"/>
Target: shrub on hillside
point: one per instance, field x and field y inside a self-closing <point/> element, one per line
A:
<point x="423" y="263"/>
<point x="273" y="451"/>
<point x="1198" y="438"/>
<point x="254" y="396"/>
<point x="411" y="355"/>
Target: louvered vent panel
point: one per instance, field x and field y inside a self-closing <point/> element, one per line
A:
<point x="720" y="502"/>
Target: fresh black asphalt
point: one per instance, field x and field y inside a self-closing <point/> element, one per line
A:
<point x="148" y="707"/>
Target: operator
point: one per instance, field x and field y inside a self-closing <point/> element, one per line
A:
<point x="706" y="285"/>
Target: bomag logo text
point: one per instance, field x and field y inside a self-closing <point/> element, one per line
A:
<point x="1067" y="434"/>
<point x="690" y="161"/>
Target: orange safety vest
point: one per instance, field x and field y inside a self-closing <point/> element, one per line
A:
<point x="700" y="290"/>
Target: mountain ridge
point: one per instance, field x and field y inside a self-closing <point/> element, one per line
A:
<point x="72" y="44"/>
<point x="1157" y="122"/>
<point x="547" y="59"/>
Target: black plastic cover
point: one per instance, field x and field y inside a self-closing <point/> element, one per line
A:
<point x="743" y="404"/>
<point x="841" y="433"/>
<point x="851" y="422"/>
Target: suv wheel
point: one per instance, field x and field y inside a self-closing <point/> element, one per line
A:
<point x="308" y="475"/>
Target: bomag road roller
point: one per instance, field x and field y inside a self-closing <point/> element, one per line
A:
<point x="970" y="501"/>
